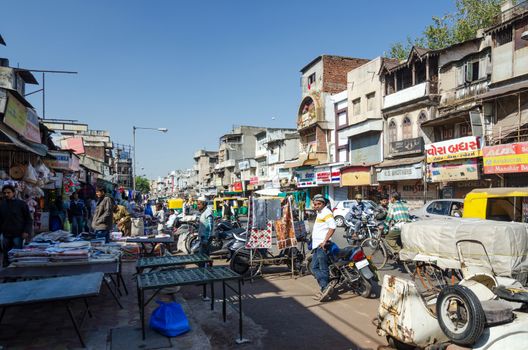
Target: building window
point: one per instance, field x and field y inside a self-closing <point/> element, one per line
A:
<point x="448" y="132"/>
<point x="503" y="37"/>
<point x="371" y="101"/>
<point x="393" y="132"/>
<point x="472" y="71"/>
<point x="311" y="81"/>
<point x="342" y="119"/>
<point x="356" y="109"/>
<point x="422" y="118"/>
<point x="464" y="129"/>
<point x="407" y="128"/>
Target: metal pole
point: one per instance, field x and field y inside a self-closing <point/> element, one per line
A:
<point x="134" y="167"/>
<point x="43" y="95"/>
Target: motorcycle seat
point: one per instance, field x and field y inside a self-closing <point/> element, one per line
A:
<point x="345" y="252"/>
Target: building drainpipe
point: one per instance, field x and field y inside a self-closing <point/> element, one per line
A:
<point x="424" y="170"/>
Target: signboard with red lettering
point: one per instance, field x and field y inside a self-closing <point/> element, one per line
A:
<point x="509" y="158"/>
<point x="327" y="175"/>
<point x="237" y="187"/>
<point x="464" y="147"/>
<point x="254" y="180"/>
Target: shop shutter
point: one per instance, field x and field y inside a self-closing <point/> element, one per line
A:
<point x="340" y="194"/>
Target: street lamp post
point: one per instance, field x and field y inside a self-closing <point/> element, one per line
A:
<point x="134" y="128"/>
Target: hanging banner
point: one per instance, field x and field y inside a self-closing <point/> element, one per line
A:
<point x="464" y="147"/>
<point x="509" y="158"/>
<point x="454" y="170"/>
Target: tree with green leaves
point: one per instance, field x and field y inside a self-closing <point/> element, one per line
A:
<point x="142" y="184"/>
<point x="453" y="28"/>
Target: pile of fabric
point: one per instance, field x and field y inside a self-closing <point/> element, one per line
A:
<point x="55" y="236"/>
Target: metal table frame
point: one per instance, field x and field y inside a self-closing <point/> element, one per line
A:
<point x="65" y="300"/>
<point x="171" y="261"/>
<point x="47" y="271"/>
<point x="179" y="279"/>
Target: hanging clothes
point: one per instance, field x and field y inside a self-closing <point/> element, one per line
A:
<point x="273" y="209"/>
<point x="260" y="239"/>
<point x="284" y="227"/>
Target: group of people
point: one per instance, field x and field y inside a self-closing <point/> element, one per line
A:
<point x="391" y="214"/>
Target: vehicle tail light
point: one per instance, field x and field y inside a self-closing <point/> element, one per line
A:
<point x="334" y="209"/>
<point x="358" y="256"/>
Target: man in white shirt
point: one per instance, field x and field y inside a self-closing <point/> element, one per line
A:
<point x="322" y="232"/>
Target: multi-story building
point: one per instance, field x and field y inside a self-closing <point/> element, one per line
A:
<point x="236" y="158"/>
<point x="410" y="98"/>
<point x="204" y="163"/>
<point x="122" y="166"/>
<point x="273" y="148"/>
<point x="505" y="105"/>
<point x="323" y="87"/>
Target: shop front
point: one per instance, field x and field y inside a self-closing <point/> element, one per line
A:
<point x="406" y="177"/>
<point x="305" y="179"/>
<point x="329" y="178"/>
<point x="508" y="162"/>
<point x="358" y="179"/>
<point x="454" y="161"/>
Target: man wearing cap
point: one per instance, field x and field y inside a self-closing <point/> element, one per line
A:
<point x="206" y="225"/>
<point x="322" y="232"/>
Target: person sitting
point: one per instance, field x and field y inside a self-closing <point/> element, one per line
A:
<point x="455" y="211"/>
<point x="397" y="215"/>
<point x="122" y="219"/>
<point x="356" y="212"/>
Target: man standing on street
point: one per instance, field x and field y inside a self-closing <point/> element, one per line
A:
<point x="206" y="225"/>
<point x="15" y="222"/>
<point x="102" y="221"/>
<point x="397" y="215"/>
<point x="322" y="232"/>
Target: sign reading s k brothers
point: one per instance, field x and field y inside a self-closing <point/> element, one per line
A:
<point x="509" y="158"/>
<point x="464" y="147"/>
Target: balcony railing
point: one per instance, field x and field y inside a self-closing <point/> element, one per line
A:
<point x="511" y="12"/>
<point x="409" y="94"/>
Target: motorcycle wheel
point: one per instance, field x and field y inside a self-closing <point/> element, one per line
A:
<point x="375" y="251"/>
<point x="240" y="263"/>
<point x="364" y="287"/>
<point x="191" y="238"/>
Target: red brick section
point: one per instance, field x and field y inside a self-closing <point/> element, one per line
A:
<point x="335" y="71"/>
<point x="95" y="152"/>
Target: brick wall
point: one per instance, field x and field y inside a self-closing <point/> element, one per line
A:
<point x="95" y="152"/>
<point x="335" y="71"/>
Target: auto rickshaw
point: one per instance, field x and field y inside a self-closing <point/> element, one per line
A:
<point x="238" y="205"/>
<point x="502" y="204"/>
<point x="176" y="204"/>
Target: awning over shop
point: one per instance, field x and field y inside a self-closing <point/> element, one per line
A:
<point x="448" y="119"/>
<point x="504" y="90"/>
<point x="400" y="161"/>
<point x="11" y="137"/>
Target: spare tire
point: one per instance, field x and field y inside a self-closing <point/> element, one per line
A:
<point x="460" y="314"/>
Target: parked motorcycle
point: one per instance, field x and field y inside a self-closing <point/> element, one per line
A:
<point x="350" y="270"/>
<point x="368" y="229"/>
<point x="220" y="241"/>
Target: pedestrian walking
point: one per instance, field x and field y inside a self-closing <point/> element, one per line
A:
<point x="15" y="222"/>
<point x="322" y="232"/>
<point x="102" y="221"/>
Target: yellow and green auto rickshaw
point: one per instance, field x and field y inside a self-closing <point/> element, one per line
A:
<point x="502" y="204"/>
<point x="239" y="205"/>
<point x="176" y="204"/>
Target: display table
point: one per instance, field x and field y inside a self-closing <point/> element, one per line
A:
<point x="158" y="280"/>
<point x="151" y="242"/>
<point x="171" y="261"/>
<point x="48" y="290"/>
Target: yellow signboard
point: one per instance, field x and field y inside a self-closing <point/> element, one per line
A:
<point x="356" y="178"/>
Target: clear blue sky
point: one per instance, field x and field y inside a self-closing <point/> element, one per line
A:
<point x="194" y="67"/>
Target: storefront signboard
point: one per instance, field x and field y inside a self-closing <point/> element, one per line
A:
<point x="508" y="158"/>
<point x="327" y="175"/>
<point x="454" y="170"/>
<point x="356" y="176"/>
<point x="32" y="131"/>
<point x="305" y="178"/>
<point x="408" y="146"/>
<point x="407" y="172"/>
<point x="464" y="147"/>
<point x="254" y="180"/>
<point x="61" y="161"/>
<point x="237" y="187"/>
<point x="15" y="114"/>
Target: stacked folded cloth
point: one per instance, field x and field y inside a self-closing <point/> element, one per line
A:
<point x="29" y="256"/>
<point x="55" y="236"/>
<point x="70" y="251"/>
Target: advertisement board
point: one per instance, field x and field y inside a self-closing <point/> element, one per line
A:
<point x="508" y="158"/>
<point x="461" y="148"/>
<point x="454" y="170"/>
